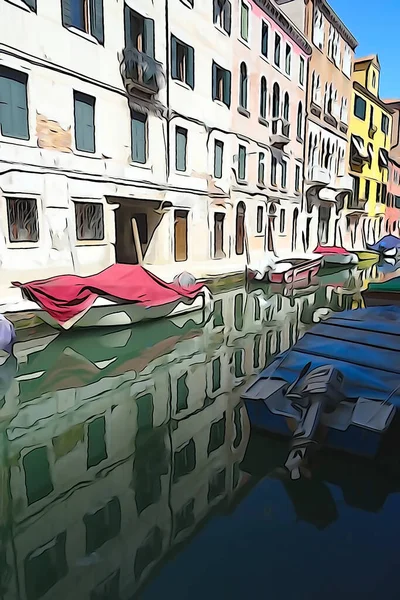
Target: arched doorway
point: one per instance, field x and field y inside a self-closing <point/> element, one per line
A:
<point x="271" y="228"/>
<point x="240" y="224"/>
<point x="294" y="230"/>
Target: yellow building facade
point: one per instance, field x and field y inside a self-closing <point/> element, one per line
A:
<point x="370" y="128"/>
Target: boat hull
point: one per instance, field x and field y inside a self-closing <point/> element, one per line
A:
<point x="354" y="440"/>
<point x="340" y="259"/>
<point x="110" y="314"/>
<point x="369" y="255"/>
<point x="303" y="271"/>
<point x="381" y="298"/>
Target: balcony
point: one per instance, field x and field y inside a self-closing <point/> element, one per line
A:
<point x="318" y="176"/>
<point x="359" y="155"/>
<point x="142" y="75"/>
<point x="383" y="158"/>
<point x="280" y="132"/>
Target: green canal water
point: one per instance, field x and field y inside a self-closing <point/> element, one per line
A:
<point x="128" y="469"/>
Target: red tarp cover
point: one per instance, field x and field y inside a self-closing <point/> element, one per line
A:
<point x="330" y="250"/>
<point x="66" y="296"/>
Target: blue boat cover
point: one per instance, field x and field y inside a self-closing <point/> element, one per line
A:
<point x="386" y="243"/>
<point x="363" y="344"/>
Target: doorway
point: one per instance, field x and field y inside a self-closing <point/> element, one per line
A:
<point x="240" y="224"/>
<point x="132" y="235"/>
<point x="181" y="236"/>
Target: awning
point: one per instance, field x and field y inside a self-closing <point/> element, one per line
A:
<point x="358" y="145"/>
<point x="383" y="158"/>
<point x="328" y="194"/>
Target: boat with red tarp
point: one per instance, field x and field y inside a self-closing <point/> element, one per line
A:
<point x="336" y="255"/>
<point x="121" y="295"/>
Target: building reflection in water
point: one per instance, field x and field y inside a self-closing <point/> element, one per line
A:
<point x="117" y="446"/>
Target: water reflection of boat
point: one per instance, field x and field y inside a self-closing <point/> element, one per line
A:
<point x="336" y="255"/>
<point x="388" y="246"/>
<point x="364" y="485"/>
<point x="121" y="295"/>
<point x="356" y="380"/>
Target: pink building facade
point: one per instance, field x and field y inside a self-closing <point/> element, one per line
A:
<point x="269" y="75"/>
<point x="392" y="212"/>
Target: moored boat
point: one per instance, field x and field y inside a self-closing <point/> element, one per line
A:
<point x="336" y="255"/>
<point x="367" y="255"/>
<point x="295" y="270"/>
<point x="386" y="293"/>
<point x="339" y="385"/>
<point x="121" y="295"/>
<point x="388" y="246"/>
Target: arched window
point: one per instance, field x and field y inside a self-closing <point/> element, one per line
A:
<point x="275" y="101"/>
<point x="240" y="227"/>
<point x="263" y="98"/>
<point x="286" y="107"/>
<point x="243" y="86"/>
<point x="300" y="121"/>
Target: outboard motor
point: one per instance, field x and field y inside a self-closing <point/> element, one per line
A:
<point x="311" y="395"/>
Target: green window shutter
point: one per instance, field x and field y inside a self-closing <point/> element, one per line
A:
<point x="227" y="88"/>
<point x="190" y="67"/>
<point x="31" y="4"/>
<point x="214" y="81"/>
<point x="149" y="37"/>
<point x="128" y="29"/>
<point x="13" y="104"/>
<point x="228" y="17"/>
<point x="138" y="130"/>
<point x="174" y="57"/>
<point x="181" y="148"/>
<point x="66" y="9"/>
<point x="218" y="159"/>
<point x="182" y="393"/>
<point x="145" y="414"/>
<point x="216" y="374"/>
<point x="84" y="123"/>
<point x="97" y="20"/>
<point x="37" y="474"/>
<point x="96" y="448"/>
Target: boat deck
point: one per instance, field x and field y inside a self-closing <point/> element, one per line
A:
<point x="363" y="344"/>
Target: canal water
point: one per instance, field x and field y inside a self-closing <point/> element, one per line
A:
<point x="128" y="469"/>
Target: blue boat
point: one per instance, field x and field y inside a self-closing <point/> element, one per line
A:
<point x="388" y="246"/>
<point x="339" y="385"/>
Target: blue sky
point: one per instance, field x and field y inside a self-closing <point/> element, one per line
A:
<point x="375" y="24"/>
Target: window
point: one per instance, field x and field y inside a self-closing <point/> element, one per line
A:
<point x="190" y="2"/>
<point x="347" y="61"/>
<point x="145" y="411"/>
<point x="360" y="107"/>
<point x="184" y="460"/>
<point x="371" y="116"/>
<point x="288" y="59"/>
<point x="223" y="15"/>
<point x="244" y="22"/>
<point x="260" y="219"/>
<point x="367" y="188"/>
<point x="318" y="29"/>
<point x="139" y="137"/>
<point x="13" y="104"/>
<point x="243" y="86"/>
<point x="36" y="467"/>
<point x="182" y="62"/>
<point x="139" y="34"/>
<point x="217" y="435"/>
<point x="344" y="113"/>
<point x="297" y="178"/>
<point x="242" y="163"/>
<point x="46" y="566"/>
<point x="385" y="124"/>
<point x="261" y="168"/>
<point x="216" y="374"/>
<point x="277" y="50"/>
<point x="23" y="221"/>
<point x="273" y="170"/>
<point x="373" y="79"/>
<point x="96" y="445"/>
<point x="264" y="39"/>
<point x="218" y="158"/>
<point x="181" y="149"/>
<point x="284" y="174"/>
<point x="89" y="218"/>
<point x="221" y="84"/>
<point x="86" y="15"/>
<point x="263" y="98"/>
<point x="219" y="219"/>
<point x="300" y="121"/>
<point x="286" y="105"/>
<point x="102" y="525"/>
<point x="282" y="221"/>
<point x="84" y="120"/>
<point x="275" y="102"/>
<point x="182" y="393"/>
<point x="316" y="88"/>
<point x="31" y="4"/>
<point x="301" y="70"/>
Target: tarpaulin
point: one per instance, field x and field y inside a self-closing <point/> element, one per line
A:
<point x="330" y="250"/>
<point x="386" y="243"/>
<point x="66" y="296"/>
